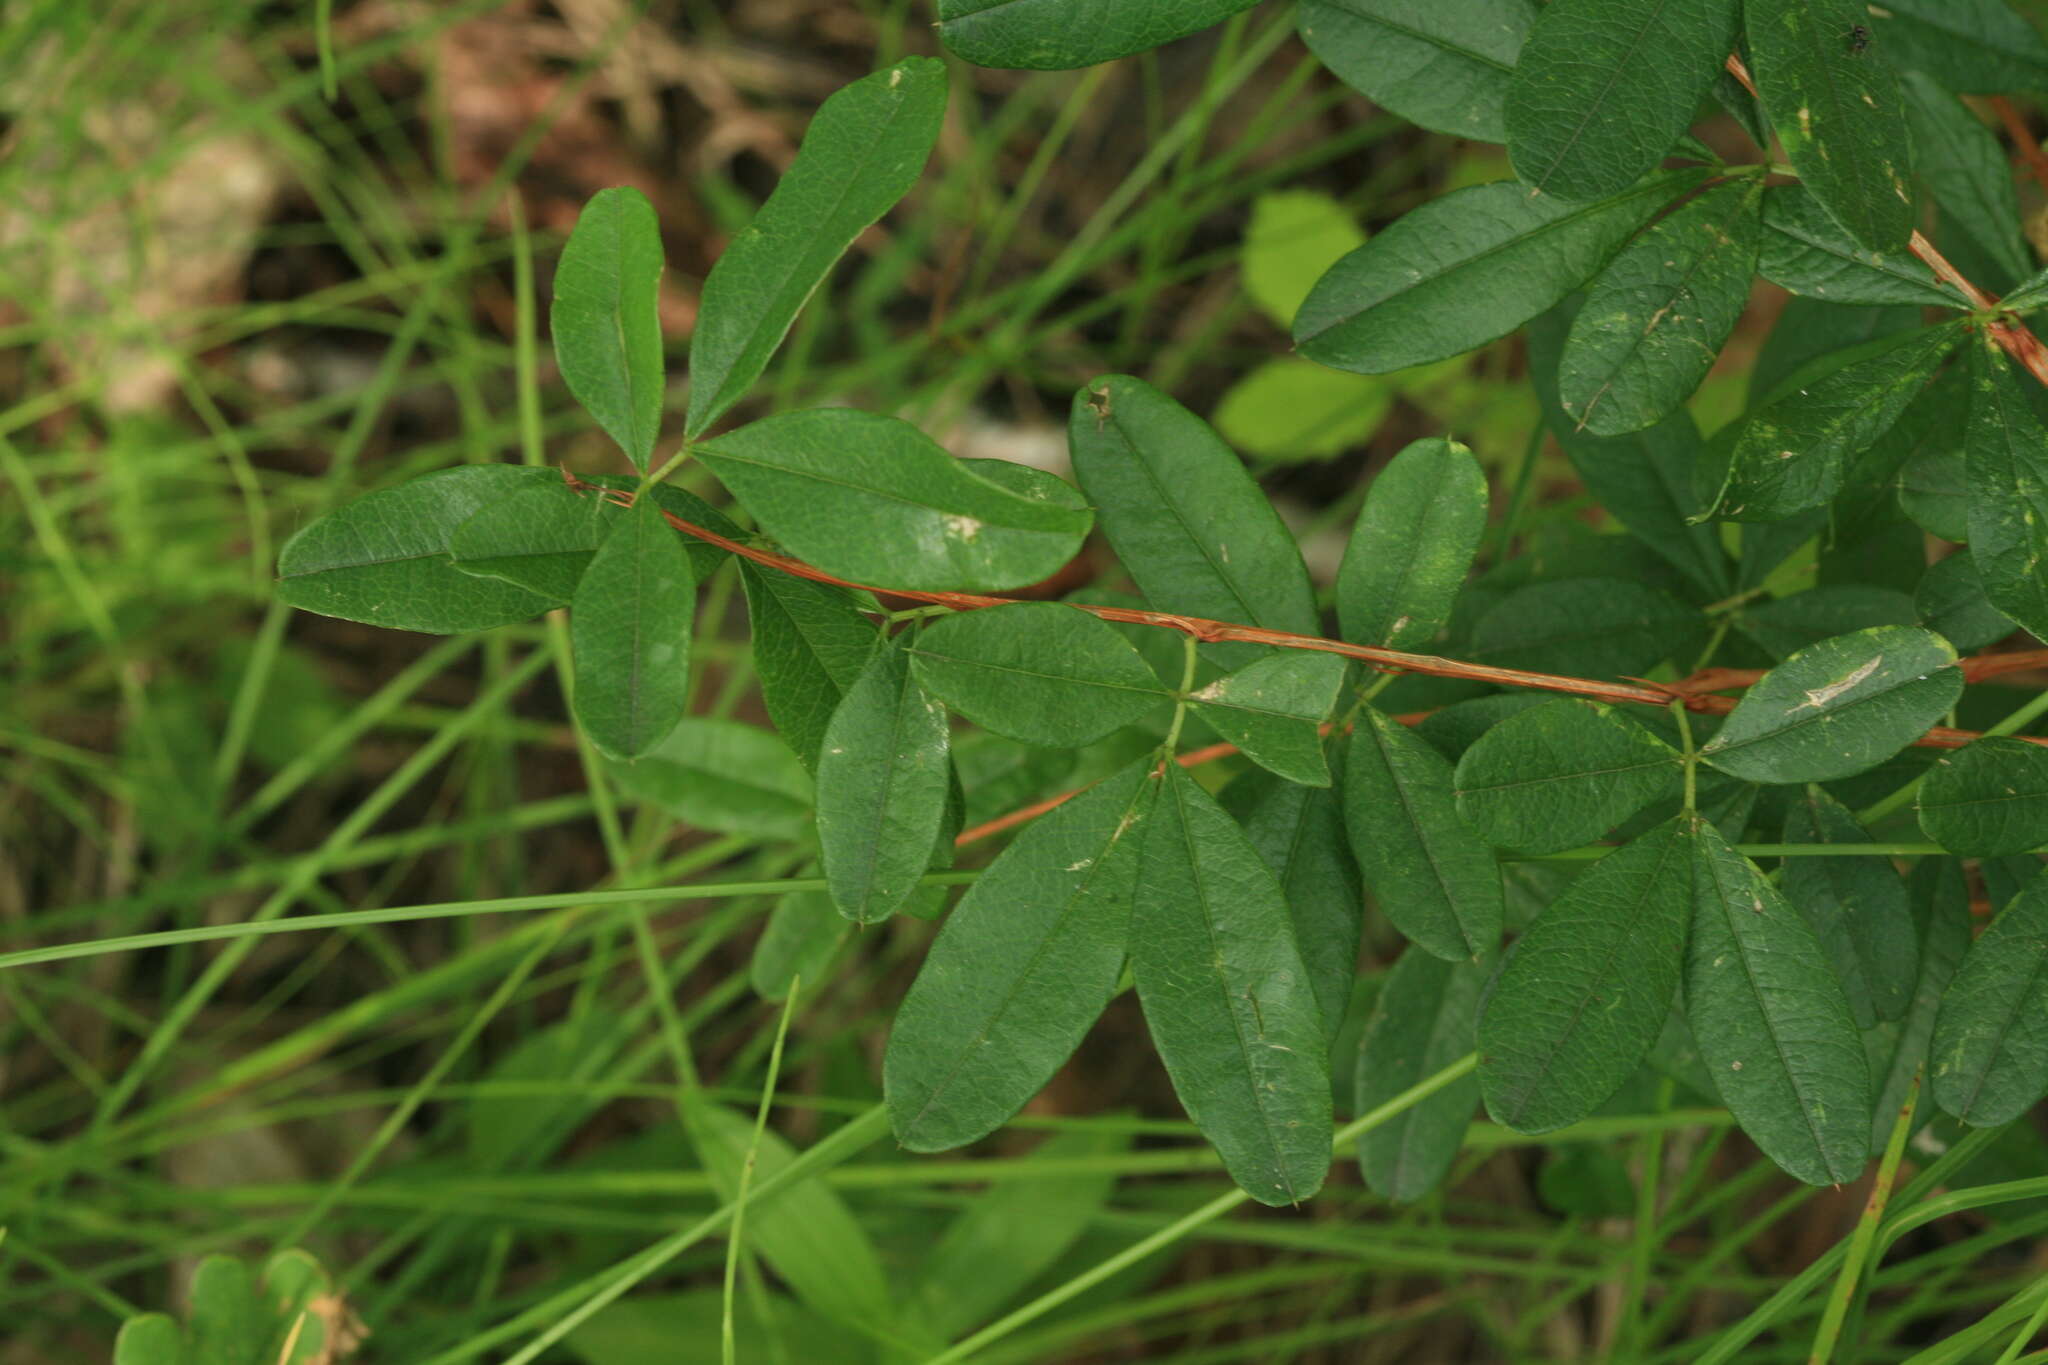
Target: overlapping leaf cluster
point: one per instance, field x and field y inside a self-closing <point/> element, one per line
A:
<point x="1884" y="410"/>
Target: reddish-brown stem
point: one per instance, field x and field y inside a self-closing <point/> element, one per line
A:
<point x="2023" y="138"/>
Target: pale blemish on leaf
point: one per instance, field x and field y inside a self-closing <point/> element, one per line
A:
<point x="1818" y="697"/>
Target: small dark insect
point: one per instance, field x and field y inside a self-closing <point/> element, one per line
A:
<point x="1859" y="40"/>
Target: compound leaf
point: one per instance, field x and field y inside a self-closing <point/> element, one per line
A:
<point x="1973" y="47"/>
<point x="2007" y="453"/>
<point x="1272" y="710"/>
<point x="1562" y="774"/>
<point x="541" y="538"/>
<point x="1899" y="1053"/>
<point x="1056" y="35"/>
<point x="1950" y="600"/>
<point x="1040" y="672"/>
<point x="1426" y="1018"/>
<point x="810" y="643"/>
<point x="1600" y="627"/>
<point x="1990" y="1058"/>
<point x="1445" y="67"/>
<point x="1857" y="909"/>
<point x="1989" y="799"/>
<point x="1807" y="252"/>
<point x="1412" y="546"/>
<point x="723" y="775"/>
<point x="629" y="627"/>
<point x="606" y="318"/>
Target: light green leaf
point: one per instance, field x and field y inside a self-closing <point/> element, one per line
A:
<point x="1189" y="524"/>
<point x="1807" y="252"/>
<point x="1973" y="47"/>
<point x="883" y="776"/>
<point x="1299" y="832"/>
<point x="1988" y="799"/>
<point x="508" y="1131"/>
<point x="1446" y="67"/>
<point x="1654" y="319"/>
<point x="1290" y="409"/>
<point x="1856" y="908"/>
<point x="810" y="643"/>
<point x="1056" y="35"/>
<point x="606" y="318"/>
<point x="1041" y="672"/>
<point x="1465" y="269"/>
<point x="383" y="559"/>
<point x="1771" y="1021"/>
<point x="1294" y="236"/>
<point x="875" y="500"/>
<point x="1963" y="166"/>
<point x="1785" y="625"/>
<point x="1838" y="115"/>
<point x="1952" y="603"/>
<point x="865" y="148"/>
<point x="1272" y="710"/>
<point x="541" y="539"/>
<point x="1426" y="1018"/>
<point x="804" y="932"/>
<point x="723" y="775"/>
<point x="1598" y="627"/>
<point x="1227" y="997"/>
<point x="1562" y="774"/>
<point x="1432" y="877"/>
<point x="1839" y="707"/>
<point x="1990" y="1058"/>
<point x="1019" y="971"/>
<point x="2007" y="451"/>
<point x="1412" y="546"/>
<point x="1587" y="988"/>
<point x="1603" y="88"/>
<point x="629" y="627"/>
<point x="1940" y="897"/>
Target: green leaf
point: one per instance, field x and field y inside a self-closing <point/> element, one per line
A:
<point x="1272" y="711"/>
<point x="1465" y="269"/>
<point x="723" y="775"/>
<point x="1990" y="1059"/>
<point x="1988" y="799"/>
<point x="1598" y="627"/>
<point x="1654" y="319"/>
<point x="883" y="777"/>
<point x="804" y="1231"/>
<point x="383" y="559"/>
<point x="1857" y="909"/>
<point x="1838" y="115"/>
<point x="1446" y="67"/>
<point x="606" y="318"/>
<point x="1189" y="524"/>
<point x="1973" y="47"/>
<point x="1964" y="168"/>
<point x="1795" y="453"/>
<point x="541" y="539"/>
<point x="1951" y="602"/>
<point x="1056" y="35"/>
<point x="865" y="148"/>
<point x="2007" y="450"/>
<point x="875" y="500"/>
<point x="1412" y="546"/>
<point x="1586" y="989"/>
<point x="1430" y="874"/>
<point x="810" y="643"/>
<point x="1839" y="707"/>
<point x="1294" y="236"/>
<point x="1227" y="997"/>
<point x="1940" y="896"/>
<point x="1019" y="971"/>
<point x="804" y="932"/>
<point x="1299" y="832"/>
<point x="1041" y="672"/>
<point x="1605" y="87"/>
<point x="1934" y="486"/>
<point x="1586" y="1181"/>
<point x="1426" y="1018"/>
<point x="1807" y="252"/>
<point x="630" y="632"/>
<point x="1771" y="1021"/>
<point x="1785" y="625"/>
<point x="506" y="1132"/>
<point x="766" y="1326"/>
<point x="1561" y="775"/>
<point x="705" y="558"/>
<point x="1289" y="409"/>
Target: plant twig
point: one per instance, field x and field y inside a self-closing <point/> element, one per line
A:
<point x="2023" y="139"/>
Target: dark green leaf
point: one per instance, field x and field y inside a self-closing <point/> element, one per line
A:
<point x="1940" y="896"/>
<point x="1586" y="1181"/>
<point x="1771" y="1021"/>
<point x="1604" y="87"/>
<point x="1446" y="67"/>
<point x="1586" y="989"/>
<point x="1990" y="1055"/>
<point x="1426" y="1018"/>
<point x="1856" y="907"/>
<point x="722" y="775"/>
<point x="810" y="643"/>
<point x="804" y="931"/>
<point x="1654" y="319"/>
<point x="1952" y="603"/>
<point x="1041" y="672"/>
<point x="1465" y="269"/>
<point x="1227" y="997"/>
<point x="630" y="630"/>
<point x="1022" y="967"/>
<point x="705" y="558"/>
<point x="882" y="781"/>
<point x="1808" y="330"/>
<point x="1272" y="710"/>
<point x="1299" y="831"/>
<point x="1965" y="169"/>
<point x="1838" y="707"/>
<point x="1598" y="627"/>
<point x="1974" y="47"/>
<point x="606" y="318"/>
<point x="1807" y="252"/>
<point x="383" y="559"/>
<point x="1189" y="524"/>
<point x="1412" y="546"/>
<point x="865" y="148"/>
<point x="1934" y="485"/>
<point x="1989" y="799"/>
<point x="1837" y="115"/>
<point x="2007" y="450"/>
<point x="875" y="500"/>
<point x="1785" y="625"/>
<point x="540" y="539"/>
<point x="1561" y="775"/>
<point x="1055" y="35"/>
<point x="1429" y="873"/>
